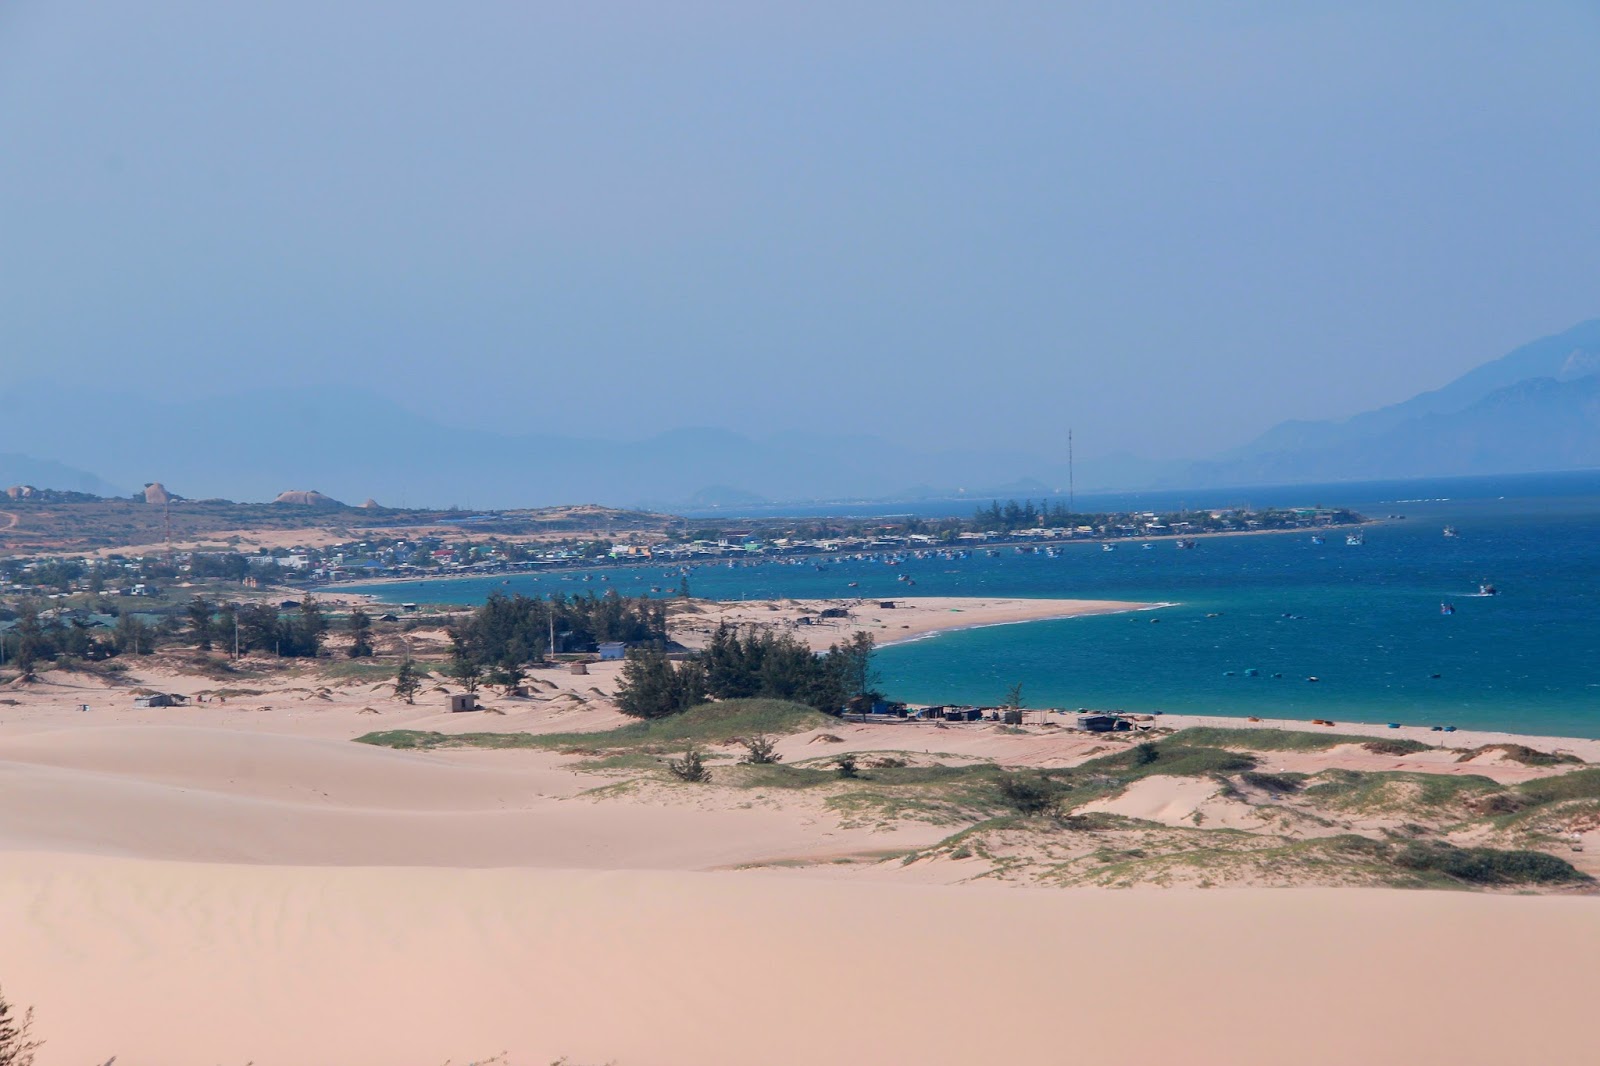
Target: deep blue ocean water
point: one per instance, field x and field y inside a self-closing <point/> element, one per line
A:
<point x="1365" y="621"/>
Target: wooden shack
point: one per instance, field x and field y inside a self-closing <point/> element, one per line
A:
<point x="463" y="701"/>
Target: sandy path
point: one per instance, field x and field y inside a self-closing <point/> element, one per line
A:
<point x="196" y="965"/>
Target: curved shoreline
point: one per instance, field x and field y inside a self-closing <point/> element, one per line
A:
<point x="1129" y="608"/>
<point x="908" y="620"/>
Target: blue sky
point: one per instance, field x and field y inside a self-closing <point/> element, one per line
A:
<point x="1168" y="225"/>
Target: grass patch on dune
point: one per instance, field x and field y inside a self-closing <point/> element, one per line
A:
<point x="1288" y="740"/>
<point x="1397" y="790"/>
<point x="1523" y="754"/>
<point x="1580" y="784"/>
<point x="709" y="723"/>
<point x="1172" y="757"/>
<point x="1487" y="866"/>
<point x="355" y="670"/>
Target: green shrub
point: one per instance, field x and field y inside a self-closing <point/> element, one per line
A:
<point x="1285" y="740"/>
<point x="691" y="768"/>
<point x="1523" y="754"/>
<point x="1276" y="783"/>
<point x="1580" y="784"/>
<point x="760" y="750"/>
<point x="1030" y="795"/>
<point x="1171" y="759"/>
<point x="1488" y="866"/>
<point x="1392" y="746"/>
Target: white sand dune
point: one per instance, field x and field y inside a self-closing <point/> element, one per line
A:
<point x="211" y="796"/>
<point x="219" y="884"/>
<point x="183" y="964"/>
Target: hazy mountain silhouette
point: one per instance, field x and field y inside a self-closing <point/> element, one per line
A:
<point x="1530" y="410"/>
<point x="354" y="445"/>
<point x="1537" y="408"/>
<point x="18" y="469"/>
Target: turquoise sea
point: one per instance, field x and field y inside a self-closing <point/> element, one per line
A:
<point x="1365" y="621"/>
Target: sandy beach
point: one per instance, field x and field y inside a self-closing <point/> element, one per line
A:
<point x="234" y="880"/>
<point x="904" y="619"/>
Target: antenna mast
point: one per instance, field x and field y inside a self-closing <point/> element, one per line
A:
<point x="1072" y="501"/>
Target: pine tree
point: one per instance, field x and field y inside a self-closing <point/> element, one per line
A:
<point x="407" y="681"/>
<point x="360" y="634"/>
<point x="467" y="671"/>
<point x="199" y="612"/>
<point x="16" y="1044"/>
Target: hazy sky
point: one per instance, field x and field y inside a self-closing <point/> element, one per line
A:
<point x="1169" y="225"/>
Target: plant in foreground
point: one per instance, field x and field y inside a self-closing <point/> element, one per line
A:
<point x="16" y="1042"/>
<point x="692" y="767"/>
<point x="761" y="750"/>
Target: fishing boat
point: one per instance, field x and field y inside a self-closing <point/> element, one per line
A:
<point x="1355" y="540"/>
<point x="1185" y="543"/>
<point x="1108" y="547"/>
<point x="1487" y="589"/>
<point x="1147" y="545"/>
<point x="1450" y="531"/>
<point x="1318" y="539"/>
<point x="1447" y="608"/>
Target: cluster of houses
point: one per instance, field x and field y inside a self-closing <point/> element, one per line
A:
<point x="876" y="709"/>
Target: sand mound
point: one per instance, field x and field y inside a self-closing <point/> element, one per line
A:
<point x="1176" y="801"/>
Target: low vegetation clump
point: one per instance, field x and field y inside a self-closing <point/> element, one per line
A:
<point x="691" y="767"/>
<point x="1288" y="740"/>
<point x="709" y="723"/>
<point x="1392" y="746"/>
<point x="1171" y="757"/>
<point x="1029" y="794"/>
<point x="761" y="750"/>
<point x="1523" y="754"/>
<point x="1401" y="791"/>
<point x="1278" y="784"/>
<point x="1579" y="784"/>
<point x="1488" y="866"/>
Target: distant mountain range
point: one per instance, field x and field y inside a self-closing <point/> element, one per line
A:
<point x="16" y="469"/>
<point x="353" y="445"/>
<point x="1536" y="409"/>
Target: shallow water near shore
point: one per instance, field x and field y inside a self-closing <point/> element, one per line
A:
<point x="1364" y="621"/>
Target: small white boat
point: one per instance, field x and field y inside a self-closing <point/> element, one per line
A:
<point x="1355" y="540"/>
<point x="1108" y="547"/>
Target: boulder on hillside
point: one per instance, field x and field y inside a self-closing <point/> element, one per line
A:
<point x="307" y="498"/>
